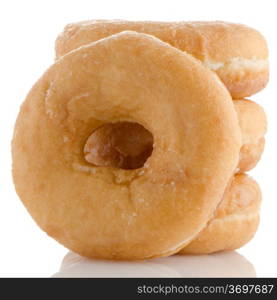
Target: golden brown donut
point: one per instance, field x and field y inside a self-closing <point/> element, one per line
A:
<point x="253" y="124"/>
<point x="235" y="221"/>
<point x="238" y="54"/>
<point x="109" y="212"/>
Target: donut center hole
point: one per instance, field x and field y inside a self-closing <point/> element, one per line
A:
<point x="124" y="145"/>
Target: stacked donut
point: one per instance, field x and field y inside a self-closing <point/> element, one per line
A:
<point x="135" y="142"/>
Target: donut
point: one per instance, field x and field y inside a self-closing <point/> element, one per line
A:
<point x="109" y="212"/>
<point x="235" y="221"/>
<point x="253" y="124"/>
<point x="238" y="54"/>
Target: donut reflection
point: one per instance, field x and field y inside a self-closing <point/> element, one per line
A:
<point x="224" y="264"/>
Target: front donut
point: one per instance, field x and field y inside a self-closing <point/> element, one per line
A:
<point x="87" y="193"/>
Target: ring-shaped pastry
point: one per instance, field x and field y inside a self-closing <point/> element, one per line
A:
<point x="114" y="213"/>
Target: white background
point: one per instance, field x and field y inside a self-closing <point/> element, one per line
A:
<point x="28" y="31"/>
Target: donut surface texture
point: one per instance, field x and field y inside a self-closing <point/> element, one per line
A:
<point x="237" y="53"/>
<point x="114" y="213"/>
<point x="253" y="124"/>
<point x="235" y="221"/>
<point x="130" y="143"/>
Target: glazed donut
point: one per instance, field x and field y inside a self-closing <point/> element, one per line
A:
<point x="130" y="144"/>
<point x="253" y="124"/>
<point x="238" y="54"/>
<point x="235" y="221"/>
<point x="108" y="212"/>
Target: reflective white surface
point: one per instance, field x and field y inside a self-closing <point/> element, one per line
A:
<point x="227" y="264"/>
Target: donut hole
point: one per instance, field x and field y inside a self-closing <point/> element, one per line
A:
<point x="124" y="145"/>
